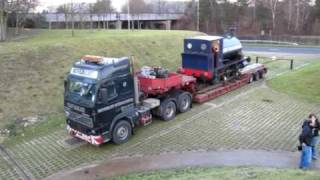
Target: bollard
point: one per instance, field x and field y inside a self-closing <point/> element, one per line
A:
<point x="291" y="64"/>
<point x="257" y="59"/>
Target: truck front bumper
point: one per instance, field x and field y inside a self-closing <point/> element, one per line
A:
<point x="94" y="140"/>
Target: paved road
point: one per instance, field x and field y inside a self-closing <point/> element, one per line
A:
<point x="286" y="50"/>
<point x="235" y="158"/>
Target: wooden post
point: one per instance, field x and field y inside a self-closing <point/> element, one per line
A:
<point x="291" y="64"/>
<point x="257" y="59"/>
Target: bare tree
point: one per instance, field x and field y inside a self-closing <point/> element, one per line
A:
<point x="65" y="9"/>
<point x="102" y="8"/>
<point x="273" y="8"/>
<point x="21" y="8"/>
<point x="135" y="7"/>
<point x="3" y="19"/>
<point x="289" y="14"/>
<point x="81" y="9"/>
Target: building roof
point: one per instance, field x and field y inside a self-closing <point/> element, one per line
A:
<point x="60" y="17"/>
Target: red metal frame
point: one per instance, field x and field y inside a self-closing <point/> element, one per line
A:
<point x="196" y="73"/>
<point x="160" y="85"/>
<point x="228" y="87"/>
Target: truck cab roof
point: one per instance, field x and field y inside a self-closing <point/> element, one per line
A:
<point x="205" y="38"/>
<point x="98" y="67"/>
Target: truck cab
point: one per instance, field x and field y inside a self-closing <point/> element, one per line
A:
<point x="98" y="93"/>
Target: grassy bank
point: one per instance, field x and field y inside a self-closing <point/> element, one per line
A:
<point x="226" y="173"/>
<point x="302" y="83"/>
<point x="32" y="70"/>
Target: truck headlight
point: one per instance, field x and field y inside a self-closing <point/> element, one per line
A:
<point x="93" y="98"/>
<point x="67" y="113"/>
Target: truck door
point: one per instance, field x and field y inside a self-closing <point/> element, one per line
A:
<point x="105" y="105"/>
<point x="119" y="94"/>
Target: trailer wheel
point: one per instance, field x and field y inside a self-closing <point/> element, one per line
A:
<point x="261" y="74"/>
<point x="184" y="102"/>
<point x="251" y="78"/>
<point x="168" y="110"/>
<point x="256" y="76"/>
<point x="121" y="132"/>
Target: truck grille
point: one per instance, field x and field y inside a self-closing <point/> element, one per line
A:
<point x="81" y="119"/>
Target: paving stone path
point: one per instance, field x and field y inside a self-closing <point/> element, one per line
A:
<point x="254" y="117"/>
<point x="234" y="158"/>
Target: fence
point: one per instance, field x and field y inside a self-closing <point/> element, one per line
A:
<point x="273" y="59"/>
<point x="301" y="40"/>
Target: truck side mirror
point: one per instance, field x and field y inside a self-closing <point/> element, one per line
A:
<point x="103" y="95"/>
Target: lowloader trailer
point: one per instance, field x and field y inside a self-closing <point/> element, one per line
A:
<point x="105" y="99"/>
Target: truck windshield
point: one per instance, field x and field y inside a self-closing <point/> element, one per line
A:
<point x="83" y="89"/>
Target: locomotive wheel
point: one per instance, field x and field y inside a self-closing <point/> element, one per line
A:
<point x="184" y="102"/>
<point x="168" y="110"/>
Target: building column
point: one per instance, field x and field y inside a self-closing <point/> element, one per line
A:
<point x="119" y="24"/>
<point x="168" y="25"/>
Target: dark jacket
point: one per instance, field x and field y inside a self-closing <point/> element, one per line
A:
<point x="306" y="134"/>
<point x="316" y="128"/>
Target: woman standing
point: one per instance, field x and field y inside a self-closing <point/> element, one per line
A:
<point x="305" y="139"/>
<point x="315" y="125"/>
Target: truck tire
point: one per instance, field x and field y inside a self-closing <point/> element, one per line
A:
<point x="121" y="132"/>
<point x="168" y="110"/>
<point x="184" y="102"/>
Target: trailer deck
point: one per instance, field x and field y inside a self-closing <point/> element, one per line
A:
<point x="213" y="92"/>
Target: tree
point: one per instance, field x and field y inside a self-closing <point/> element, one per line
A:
<point x="273" y="8"/>
<point x="66" y="10"/>
<point x="21" y="8"/>
<point x="136" y="7"/>
<point x="317" y="9"/>
<point x="3" y="19"/>
<point x="103" y="7"/>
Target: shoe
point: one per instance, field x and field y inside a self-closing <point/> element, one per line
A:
<point x="303" y="168"/>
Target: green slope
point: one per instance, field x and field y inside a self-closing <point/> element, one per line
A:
<point x="239" y="173"/>
<point x="303" y="83"/>
<point x="32" y="70"/>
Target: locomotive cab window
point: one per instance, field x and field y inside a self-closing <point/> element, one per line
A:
<point x="215" y="46"/>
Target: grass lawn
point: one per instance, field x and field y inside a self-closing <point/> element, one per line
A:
<point x="32" y="70"/>
<point x="302" y="83"/>
<point x="226" y="174"/>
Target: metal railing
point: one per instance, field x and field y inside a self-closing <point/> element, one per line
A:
<point x="273" y="59"/>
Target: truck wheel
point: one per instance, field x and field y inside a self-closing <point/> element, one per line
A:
<point x="184" y="102"/>
<point x="121" y="132"/>
<point x="168" y="110"/>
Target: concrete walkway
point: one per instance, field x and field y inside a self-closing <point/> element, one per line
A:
<point x="122" y="166"/>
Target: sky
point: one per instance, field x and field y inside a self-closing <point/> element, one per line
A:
<point x="116" y="3"/>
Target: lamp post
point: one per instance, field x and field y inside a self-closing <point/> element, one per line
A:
<point x="72" y="19"/>
<point x="198" y="15"/>
<point x="128" y="7"/>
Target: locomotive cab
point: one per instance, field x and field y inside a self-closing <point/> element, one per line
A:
<point x="211" y="58"/>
